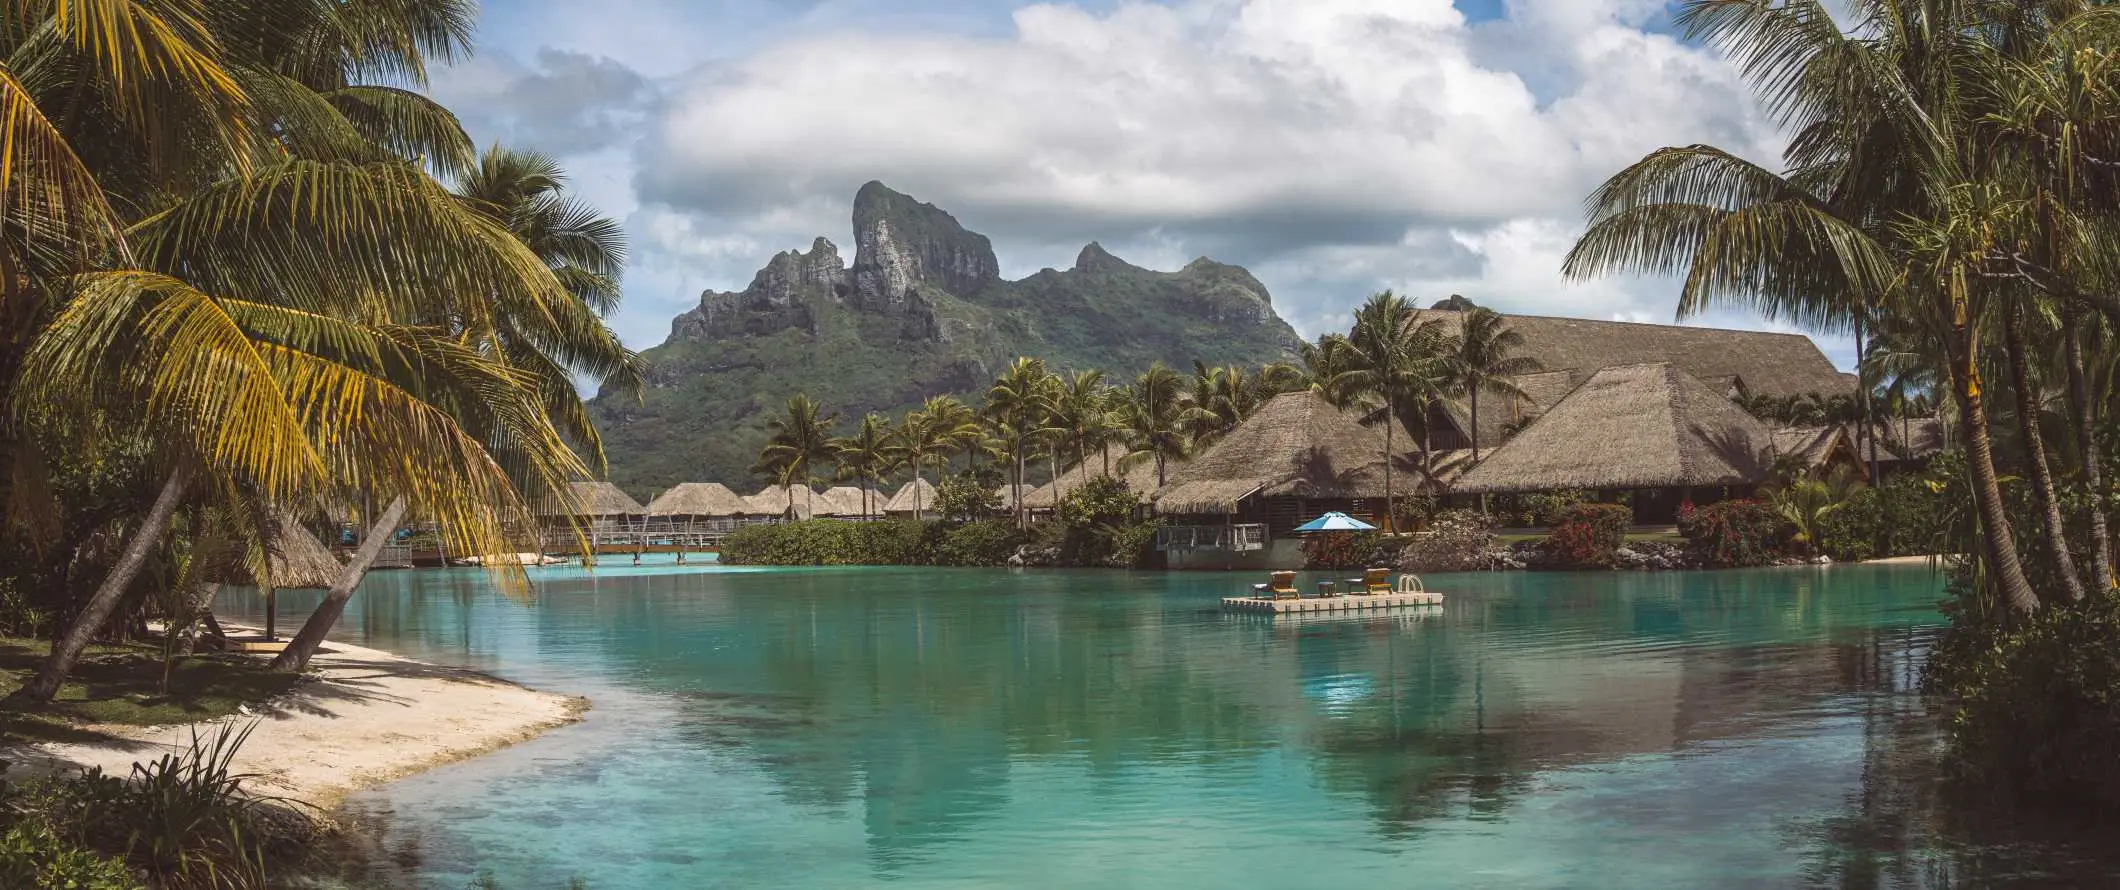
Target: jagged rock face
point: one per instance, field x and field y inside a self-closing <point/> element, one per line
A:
<point x="900" y="243"/>
<point x="772" y="302"/>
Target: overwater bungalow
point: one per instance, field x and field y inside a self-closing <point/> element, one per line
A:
<point x="914" y="500"/>
<point x="698" y="502"/>
<point x="598" y="506"/>
<point x="796" y="502"/>
<point x="848" y="502"/>
<point x="1651" y="430"/>
<point x="1235" y="504"/>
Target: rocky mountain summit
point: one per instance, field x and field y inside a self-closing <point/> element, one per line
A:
<point x="922" y="310"/>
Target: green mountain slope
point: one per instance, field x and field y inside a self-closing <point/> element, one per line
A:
<point x="923" y="310"/>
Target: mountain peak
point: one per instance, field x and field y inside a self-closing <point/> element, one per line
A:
<point x="900" y="242"/>
<point x="1094" y="257"/>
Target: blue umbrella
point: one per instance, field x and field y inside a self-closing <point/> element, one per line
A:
<point x="1336" y="522"/>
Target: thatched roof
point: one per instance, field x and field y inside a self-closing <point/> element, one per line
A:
<point x="1541" y="391"/>
<point x="1923" y="438"/>
<point x="1295" y="445"/>
<point x="1635" y="426"/>
<point x="295" y="559"/>
<point x="699" y="499"/>
<point x="845" y="500"/>
<point x="1815" y="443"/>
<point x="902" y="502"/>
<point x="1141" y="478"/>
<point x="773" y="500"/>
<point x="597" y="499"/>
<point x="1761" y="362"/>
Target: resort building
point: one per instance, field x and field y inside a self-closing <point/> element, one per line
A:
<point x="597" y="506"/>
<point x="698" y="501"/>
<point x="1233" y="505"/>
<point x="849" y="502"/>
<point x="1139" y="476"/>
<point x="914" y="500"/>
<point x="785" y="501"/>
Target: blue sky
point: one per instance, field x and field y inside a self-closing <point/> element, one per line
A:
<point x="1334" y="147"/>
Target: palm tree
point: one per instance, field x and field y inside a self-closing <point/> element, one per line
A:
<point x="1323" y="369"/>
<point x="1396" y="358"/>
<point x="256" y="301"/>
<point x="1152" y="412"/>
<point x="1082" y="411"/>
<point x="1484" y="363"/>
<point x="801" y="440"/>
<point x="1223" y="396"/>
<point x="929" y="433"/>
<point x="1015" y="406"/>
<point x="867" y="454"/>
<point x="1872" y="217"/>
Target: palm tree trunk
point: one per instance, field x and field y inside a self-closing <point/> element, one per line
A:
<point x="2087" y="445"/>
<point x="1475" y="423"/>
<point x="1862" y="395"/>
<point x="1995" y="535"/>
<point x="304" y="645"/>
<point x="2029" y="407"/>
<point x="1390" y="420"/>
<point x="67" y="648"/>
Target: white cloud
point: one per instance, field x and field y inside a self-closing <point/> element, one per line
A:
<point x="1334" y="146"/>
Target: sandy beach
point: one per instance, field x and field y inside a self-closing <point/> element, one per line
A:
<point x="369" y="718"/>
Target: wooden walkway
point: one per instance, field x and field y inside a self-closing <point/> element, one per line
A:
<point x="1342" y="603"/>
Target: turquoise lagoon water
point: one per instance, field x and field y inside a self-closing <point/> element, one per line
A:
<point x="971" y="728"/>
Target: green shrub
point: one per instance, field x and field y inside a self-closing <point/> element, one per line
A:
<point x="2037" y="707"/>
<point x="1089" y="523"/>
<point x="1851" y="531"/>
<point x="32" y="855"/>
<point x="1343" y="550"/>
<point x="1539" y="508"/>
<point x="1133" y="546"/>
<point x="1588" y="535"/>
<point x="1732" y="534"/>
<point x="826" y="542"/>
<point x="1453" y="542"/>
<point x="966" y="497"/>
<point x="986" y="543"/>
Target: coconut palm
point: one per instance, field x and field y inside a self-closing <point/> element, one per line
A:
<point x="868" y="454"/>
<point x="1015" y="410"/>
<point x="1484" y="363"/>
<point x="799" y="443"/>
<point x="1082" y="411"/>
<point x="1396" y="359"/>
<point x="929" y="433"/>
<point x="1152" y="412"/>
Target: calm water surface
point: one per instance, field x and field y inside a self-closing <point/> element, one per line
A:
<point x="971" y="728"/>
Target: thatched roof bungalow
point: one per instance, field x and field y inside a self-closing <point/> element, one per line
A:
<point x="1821" y="447"/>
<point x="1571" y="350"/>
<point x="1140" y="477"/>
<point x="1296" y="448"/>
<point x="596" y="500"/>
<point x="794" y="501"/>
<point x="915" y="499"/>
<point x="847" y="501"/>
<point x="1634" y="427"/>
<point x="698" y="500"/>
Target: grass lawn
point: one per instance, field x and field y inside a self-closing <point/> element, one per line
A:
<point x="123" y="684"/>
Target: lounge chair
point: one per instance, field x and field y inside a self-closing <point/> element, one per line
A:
<point x="1372" y="581"/>
<point x="1279" y="585"/>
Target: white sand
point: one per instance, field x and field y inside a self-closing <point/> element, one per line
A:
<point x="373" y="717"/>
<point x="1901" y="561"/>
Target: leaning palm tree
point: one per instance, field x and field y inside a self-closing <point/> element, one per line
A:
<point x="800" y="442"/>
<point x="1485" y="362"/>
<point x="868" y="454"/>
<point x="1860" y="224"/>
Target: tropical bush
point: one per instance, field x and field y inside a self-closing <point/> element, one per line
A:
<point x="989" y="542"/>
<point x="1454" y="541"/>
<point x="1538" y="509"/>
<point x="2036" y="708"/>
<point x="183" y="820"/>
<point x="1732" y="534"/>
<point x="966" y="498"/>
<point x="1343" y="550"/>
<point x="1095" y="526"/>
<point x="1588" y="535"/>
<point x="824" y="542"/>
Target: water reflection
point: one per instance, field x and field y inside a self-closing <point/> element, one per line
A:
<point x="985" y="727"/>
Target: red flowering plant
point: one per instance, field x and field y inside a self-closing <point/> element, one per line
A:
<point x="1589" y="535"/>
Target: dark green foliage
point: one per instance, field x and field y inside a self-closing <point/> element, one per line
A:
<point x="1344" y="550"/>
<point x="2037" y="707"/>
<point x="988" y="542"/>
<point x="967" y="498"/>
<point x="1588" y="536"/>
<point x="183" y="819"/>
<point x="1094" y="527"/>
<point x="1537" y="509"/>
<point x="1733" y="534"/>
<point x="826" y="542"/>
<point x="1905" y="516"/>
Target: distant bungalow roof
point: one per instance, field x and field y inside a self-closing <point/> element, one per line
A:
<point x="596" y="499"/>
<point x="902" y="502"/>
<point x="847" y="500"/>
<point x="1634" y="426"/>
<point x="1140" y="477"/>
<point x="699" y="499"/>
<point x="782" y="500"/>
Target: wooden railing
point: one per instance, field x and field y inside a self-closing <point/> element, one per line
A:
<point x="1237" y="538"/>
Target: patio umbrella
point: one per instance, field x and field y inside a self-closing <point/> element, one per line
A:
<point x="1336" y="522"/>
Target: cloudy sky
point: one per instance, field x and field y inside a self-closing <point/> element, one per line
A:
<point x="1334" y="147"/>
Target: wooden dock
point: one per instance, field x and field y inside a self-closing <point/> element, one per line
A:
<point x="1341" y="603"/>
